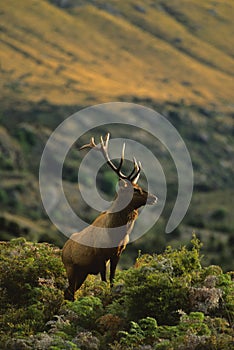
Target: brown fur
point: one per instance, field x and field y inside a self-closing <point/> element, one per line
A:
<point x="81" y="259"/>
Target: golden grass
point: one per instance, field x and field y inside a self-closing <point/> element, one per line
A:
<point x="94" y="56"/>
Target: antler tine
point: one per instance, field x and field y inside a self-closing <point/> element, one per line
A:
<point x="92" y="144"/>
<point x="104" y="149"/>
<point x="107" y="138"/>
<point x="135" y="169"/>
<point x="104" y="143"/>
<point x="122" y="158"/>
<point x="135" y="173"/>
<point x="135" y="178"/>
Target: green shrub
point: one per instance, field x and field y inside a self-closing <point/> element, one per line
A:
<point x="194" y="331"/>
<point x="31" y="283"/>
<point x="26" y="137"/>
<point x="160" y="284"/>
<point x="158" y="295"/>
<point x="166" y="301"/>
<point x="88" y="310"/>
<point x="219" y="214"/>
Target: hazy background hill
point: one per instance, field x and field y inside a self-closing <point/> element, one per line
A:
<point x="176" y="57"/>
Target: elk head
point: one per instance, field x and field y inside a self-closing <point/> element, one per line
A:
<point x="130" y="195"/>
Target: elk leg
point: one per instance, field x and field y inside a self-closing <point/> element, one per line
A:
<point x="113" y="263"/>
<point x="103" y="272"/>
<point x="69" y="292"/>
<point x="79" y="279"/>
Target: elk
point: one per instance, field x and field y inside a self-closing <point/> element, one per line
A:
<point x="89" y="251"/>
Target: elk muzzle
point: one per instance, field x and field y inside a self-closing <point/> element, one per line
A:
<point x="151" y="199"/>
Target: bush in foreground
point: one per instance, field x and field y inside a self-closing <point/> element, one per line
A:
<point x="166" y="301"/>
<point x="31" y="283"/>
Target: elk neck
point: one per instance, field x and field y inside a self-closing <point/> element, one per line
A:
<point x="113" y="218"/>
<point x="118" y="216"/>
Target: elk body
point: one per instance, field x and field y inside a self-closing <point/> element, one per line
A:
<point x="89" y="251"/>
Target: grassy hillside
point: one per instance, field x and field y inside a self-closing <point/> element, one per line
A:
<point x="176" y="57"/>
<point x="162" y="50"/>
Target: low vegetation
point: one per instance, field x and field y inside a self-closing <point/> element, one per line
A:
<point x="165" y="55"/>
<point x="165" y="301"/>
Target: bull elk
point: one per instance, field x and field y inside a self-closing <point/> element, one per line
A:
<point x="89" y="251"/>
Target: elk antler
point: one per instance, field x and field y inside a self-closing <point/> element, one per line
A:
<point x="135" y="173"/>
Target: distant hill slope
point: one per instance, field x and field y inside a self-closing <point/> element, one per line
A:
<point x="100" y="51"/>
